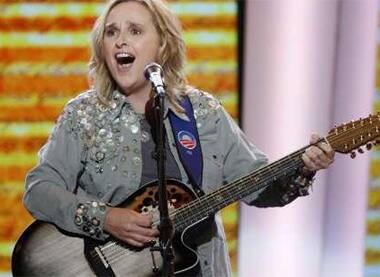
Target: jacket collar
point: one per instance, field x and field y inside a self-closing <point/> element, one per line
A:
<point x="120" y="101"/>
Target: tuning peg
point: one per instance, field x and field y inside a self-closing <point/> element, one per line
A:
<point x="368" y="146"/>
<point x="360" y="150"/>
<point x="353" y="155"/>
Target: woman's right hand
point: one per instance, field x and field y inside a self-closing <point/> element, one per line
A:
<point x="130" y="226"/>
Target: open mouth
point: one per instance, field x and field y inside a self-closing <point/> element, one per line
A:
<point x="124" y="59"/>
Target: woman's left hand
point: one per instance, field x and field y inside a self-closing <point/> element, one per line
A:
<point x="318" y="156"/>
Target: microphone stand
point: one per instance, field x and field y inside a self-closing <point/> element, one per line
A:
<point x="166" y="225"/>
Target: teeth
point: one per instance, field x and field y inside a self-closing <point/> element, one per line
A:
<point x="123" y="55"/>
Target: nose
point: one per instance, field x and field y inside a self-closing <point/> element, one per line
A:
<point x="122" y="40"/>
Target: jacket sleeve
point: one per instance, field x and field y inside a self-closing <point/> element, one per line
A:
<point x="242" y="157"/>
<point x="51" y="187"/>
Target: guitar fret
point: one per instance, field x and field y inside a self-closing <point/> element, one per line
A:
<point x="261" y="178"/>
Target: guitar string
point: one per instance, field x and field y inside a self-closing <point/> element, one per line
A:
<point x="115" y="254"/>
<point x="244" y="190"/>
<point x="111" y="249"/>
<point x="228" y="193"/>
<point x="225" y="189"/>
<point x="289" y="163"/>
<point x="119" y="252"/>
<point x="192" y="205"/>
<point x="107" y="245"/>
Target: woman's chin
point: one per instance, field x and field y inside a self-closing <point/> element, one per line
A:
<point x="133" y="88"/>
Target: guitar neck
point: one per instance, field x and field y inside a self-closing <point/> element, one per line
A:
<point x="236" y="190"/>
<point x="343" y="139"/>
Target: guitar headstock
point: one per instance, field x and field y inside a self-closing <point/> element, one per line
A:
<point x="351" y="136"/>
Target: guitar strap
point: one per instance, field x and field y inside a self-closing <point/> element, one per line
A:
<point x="187" y="141"/>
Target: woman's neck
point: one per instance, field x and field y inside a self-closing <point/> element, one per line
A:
<point x="138" y="101"/>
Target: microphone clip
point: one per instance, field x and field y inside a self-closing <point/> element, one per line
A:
<point x="154" y="73"/>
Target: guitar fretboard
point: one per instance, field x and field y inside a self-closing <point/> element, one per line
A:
<point x="228" y="194"/>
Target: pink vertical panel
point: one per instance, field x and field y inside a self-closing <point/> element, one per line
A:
<point x="288" y="85"/>
<point x="345" y="217"/>
<point x="309" y="64"/>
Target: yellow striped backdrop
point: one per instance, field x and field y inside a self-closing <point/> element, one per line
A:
<point x="372" y="241"/>
<point x="43" y="63"/>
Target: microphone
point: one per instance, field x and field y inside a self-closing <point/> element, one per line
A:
<point x="153" y="72"/>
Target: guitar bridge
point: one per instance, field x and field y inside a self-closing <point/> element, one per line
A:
<point x="101" y="257"/>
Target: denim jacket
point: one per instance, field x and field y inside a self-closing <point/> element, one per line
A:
<point x="93" y="157"/>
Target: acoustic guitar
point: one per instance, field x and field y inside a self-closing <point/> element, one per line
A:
<point x="45" y="250"/>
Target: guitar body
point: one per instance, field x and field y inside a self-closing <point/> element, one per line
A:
<point x="45" y="250"/>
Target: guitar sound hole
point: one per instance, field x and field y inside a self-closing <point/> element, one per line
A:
<point x="176" y="200"/>
<point x="177" y="197"/>
<point x="148" y="202"/>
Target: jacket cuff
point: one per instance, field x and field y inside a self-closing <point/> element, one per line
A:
<point x="300" y="186"/>
<point x="89" y="218"/>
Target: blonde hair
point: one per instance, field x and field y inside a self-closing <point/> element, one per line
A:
<point x="172" y="53"/>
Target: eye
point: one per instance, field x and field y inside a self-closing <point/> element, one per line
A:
<point x="110" y="32"/>
<point x="135" y="31"/>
